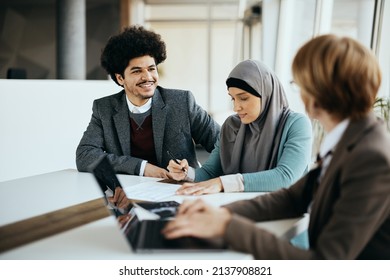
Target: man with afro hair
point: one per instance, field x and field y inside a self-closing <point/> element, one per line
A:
<point x="136" y="127"/>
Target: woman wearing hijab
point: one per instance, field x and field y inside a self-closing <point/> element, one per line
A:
<point x="347" y="195"/>
<point x="264" y="147"/>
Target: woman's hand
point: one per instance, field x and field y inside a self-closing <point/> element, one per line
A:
<point x="205" y="187"/>
<point x="178" y="172"/>
<point x="197" y="219"/>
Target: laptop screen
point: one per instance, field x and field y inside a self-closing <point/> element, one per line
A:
<point x="108" y="182"/>
<point x="145" y="235"/>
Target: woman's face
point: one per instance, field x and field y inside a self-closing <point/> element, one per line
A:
<point x="246" y="105"/>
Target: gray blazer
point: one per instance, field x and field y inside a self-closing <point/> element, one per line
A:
<point x="350" y="215"/>
<point x="178" y="123"/>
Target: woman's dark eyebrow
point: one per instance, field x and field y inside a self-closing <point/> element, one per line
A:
<point x="240" y="93"/>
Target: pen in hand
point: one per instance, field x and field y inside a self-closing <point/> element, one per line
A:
<point x="175" y="160"/>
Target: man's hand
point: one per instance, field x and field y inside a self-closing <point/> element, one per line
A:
<point x="155" y="171"/>
<point x="120" y="199"/>
<point x="123" y="219"/>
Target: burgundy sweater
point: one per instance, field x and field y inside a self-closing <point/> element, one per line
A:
<point x="142" y="141"/>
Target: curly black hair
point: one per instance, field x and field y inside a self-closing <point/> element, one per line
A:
<point x="134" y="41"/>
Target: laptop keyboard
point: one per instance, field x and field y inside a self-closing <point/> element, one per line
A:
<point x="150" y="234"/>
<point x="165" y="209"/>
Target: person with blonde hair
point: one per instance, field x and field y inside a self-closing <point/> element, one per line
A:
<point x="347" y="195"/>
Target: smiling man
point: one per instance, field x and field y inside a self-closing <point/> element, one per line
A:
<point x="137" y="126"/>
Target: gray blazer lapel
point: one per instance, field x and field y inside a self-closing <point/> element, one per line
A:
<point x="159" y="115"/>
<point x="122" y="124"/>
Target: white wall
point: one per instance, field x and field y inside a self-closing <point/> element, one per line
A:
<point x="42" y="121"/>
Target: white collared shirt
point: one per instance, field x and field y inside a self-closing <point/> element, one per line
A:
<point x="331" y="140"/>
<point x="329" y="144"/>
<point x="139" y="110"/>
<point x="230" y="183"/>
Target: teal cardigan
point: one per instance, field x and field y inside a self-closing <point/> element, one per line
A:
<point x="294" y="157"/>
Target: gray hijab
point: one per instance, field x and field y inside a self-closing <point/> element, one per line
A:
<point x="254" y="147"/>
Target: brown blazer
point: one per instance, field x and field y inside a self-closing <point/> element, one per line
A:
<point x="350" y="215"/>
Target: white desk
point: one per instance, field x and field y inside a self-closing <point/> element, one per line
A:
<point x="28" y="197"/>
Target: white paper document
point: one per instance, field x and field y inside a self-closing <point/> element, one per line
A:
<point x="151" y="191"/>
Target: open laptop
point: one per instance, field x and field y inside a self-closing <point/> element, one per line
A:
<point x="145" y="235"/>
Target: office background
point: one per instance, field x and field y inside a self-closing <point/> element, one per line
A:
<point x="43" y="116"/>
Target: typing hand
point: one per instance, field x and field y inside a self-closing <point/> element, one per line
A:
<point x="155" y="171"/>
<point x="189" y="207"/>
<point x="205" y="187"/>
<point x="178" y="171"/>
<point x="198" y="219"/>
